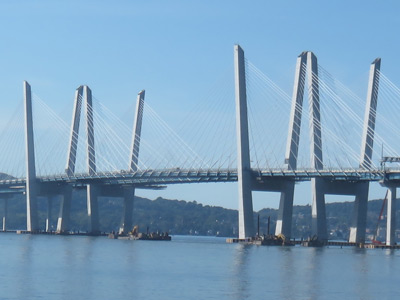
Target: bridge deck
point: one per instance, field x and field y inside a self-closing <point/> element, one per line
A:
<point x="149" y="178"/>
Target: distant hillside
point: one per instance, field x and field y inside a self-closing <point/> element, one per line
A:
<point x="182" y="217"/>
<point x="176" y="217"/>
<point x="4" y="176"/>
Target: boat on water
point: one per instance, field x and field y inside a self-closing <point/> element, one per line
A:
<point x="274" y="240"/>
<point x="136" y="235"/>
<point x="313" y="242"/>
<point x="271" y="239"/>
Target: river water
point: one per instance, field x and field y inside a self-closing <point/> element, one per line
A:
<point x="77" y="267"/>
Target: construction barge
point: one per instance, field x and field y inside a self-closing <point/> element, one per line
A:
<point x="136" y="235"/>
<point x="264" y="240"/>
<point x="276" y="241"/>
<point x="281" y="240"/>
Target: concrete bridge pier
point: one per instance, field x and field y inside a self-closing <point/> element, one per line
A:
<point x="92" y="189"/>
<point x="93" y="208"/>
<point x="359" y="220"/>
<point x="357" y="230"/>
<point x="128" y="193"/>
<point x="391" y="217"/>
<point x="310" y="73"/>
<point x="285" y="212"/>
<point x="64" y="212"/>
<point x="5" y="212"/>
<point x="126" y="222"/>
<point x="317" y="184"/>
<point x="49" y="214"/>
<point x="318" y="212"/>
<point x="83" y="93"/>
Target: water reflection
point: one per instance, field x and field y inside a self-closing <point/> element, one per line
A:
<point x="287" y="274"/>
<point x="98" y="268"/>
<point x="361" y="268"/>
<point x="241" y="278"/>
<point x="24" y="284"/>
<point x="315" y="266"/>
<point x="79" y="265"/>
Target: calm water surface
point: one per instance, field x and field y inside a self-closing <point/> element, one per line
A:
<point x="59" y="267"/>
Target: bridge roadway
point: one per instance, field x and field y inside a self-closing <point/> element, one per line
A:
<point x="154" y="178"/>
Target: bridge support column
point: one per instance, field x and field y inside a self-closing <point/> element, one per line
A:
<point x="31" y="185"/>
<point x="136" y="132"/>
<point x="126" y="222"/>
<point x="284" y="221"/>
<point x="285" y="212"/>
<point x="5" y="212"/>
<point x="357" y="230"/>
<point x="73" y="142"/>
<point x="92" y="190"/>
<point x="318" y="213"/>
<point x="246" y="225"/>
<point x="391" y="217"/>
<point x="49" y="208"/>
<point x="317" y="184"/>
<point x="359" y="220"/>
<point x="93" y="209"/>
<point x="64" y="212"/>
<point x="367" y="142"/>
<point x="129" y="192"/>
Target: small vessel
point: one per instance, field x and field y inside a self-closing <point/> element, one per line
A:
<point x="136" y="235"/>
<point x="152" y="236"/>
<point x="275" y="240"/>
<point x="271" y="239"/>
<point x="313" y="242"/>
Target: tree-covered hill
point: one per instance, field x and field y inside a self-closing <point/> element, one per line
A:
<point x="182" y="217"/>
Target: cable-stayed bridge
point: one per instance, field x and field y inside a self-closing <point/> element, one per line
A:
<point x="334" y="165"/>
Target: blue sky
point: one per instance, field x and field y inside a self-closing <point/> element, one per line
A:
<point x="175" y="49"/>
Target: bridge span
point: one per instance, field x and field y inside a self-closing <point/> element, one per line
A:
<point x="324" y="181"/>
<point x="148" y="178"/>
